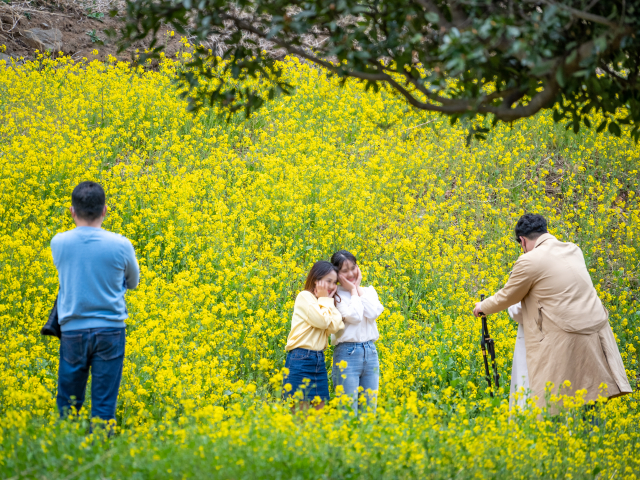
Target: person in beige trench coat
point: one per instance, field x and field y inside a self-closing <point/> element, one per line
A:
<point x="566" y="328"/>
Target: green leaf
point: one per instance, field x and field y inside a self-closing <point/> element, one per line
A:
<point x="572" y="56"/>
<point x="600" y="44"/>
<point x="95" y="15"/>
<point x="432" y="17"/>
<point x="513" y="31"/>
<point x="614" y="129"/>
<point x="586" y="109"/>
<point x="549" y="13"/>
<point x="560" y="76"/>
<point x="602" y="126"/>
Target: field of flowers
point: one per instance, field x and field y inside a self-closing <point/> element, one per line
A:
<point x="227" y="217"/>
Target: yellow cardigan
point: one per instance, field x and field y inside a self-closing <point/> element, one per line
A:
<point x="314" y="319"/>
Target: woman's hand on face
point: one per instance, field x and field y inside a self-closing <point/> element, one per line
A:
<point x="322" y="288"/>
<point x="346" y="284"/>
<point x="358" y="278"/>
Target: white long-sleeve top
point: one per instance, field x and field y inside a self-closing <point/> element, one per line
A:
<point x="359" y="314"/>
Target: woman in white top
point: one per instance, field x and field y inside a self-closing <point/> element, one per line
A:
<point x="355" y="359"/>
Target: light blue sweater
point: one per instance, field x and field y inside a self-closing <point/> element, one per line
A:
<point x="95" y="268"/>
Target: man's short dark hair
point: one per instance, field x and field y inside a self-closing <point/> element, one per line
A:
<point x="88" y="200"/>
<point x="531" y="226"/>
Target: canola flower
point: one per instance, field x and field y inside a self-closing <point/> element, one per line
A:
<point x="226" y="219"/>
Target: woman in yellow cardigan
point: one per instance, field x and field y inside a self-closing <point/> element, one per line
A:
<point x="315" y="317"/>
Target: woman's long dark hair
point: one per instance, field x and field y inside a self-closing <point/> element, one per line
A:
<point x="319" y="270"/>
<point x="341" y="256"/>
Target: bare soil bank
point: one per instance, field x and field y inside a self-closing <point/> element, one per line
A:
<point x="83" y="26"/>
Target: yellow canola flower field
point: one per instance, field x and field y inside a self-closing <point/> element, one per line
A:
<point x="226" y="220"/>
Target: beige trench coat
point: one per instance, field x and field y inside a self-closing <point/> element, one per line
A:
<point x="566" y="327"/>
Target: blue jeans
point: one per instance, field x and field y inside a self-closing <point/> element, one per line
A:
<point x="307" y="375"/>
<point x="359" y="379"/>
<point x="102" y="350"/>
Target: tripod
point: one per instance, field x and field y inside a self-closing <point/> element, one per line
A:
<point x="486" y="343"/>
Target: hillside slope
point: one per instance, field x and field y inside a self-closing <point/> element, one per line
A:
<point x="81" y="23"/>
<point x="227" y="218"/>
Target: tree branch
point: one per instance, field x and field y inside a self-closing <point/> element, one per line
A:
<point x="501" y="94"/>
<point x="512" y="97"/>
<point x="551" y="89"/>
<point x="616" y="75"/>
<point x="242" y="25"/>
<point x="432" y="96"/>
<point x="430" y="6"/>
<point x="437" y="103"/>
<point x="538" y="102"/>
<point x="590" y="17"/>
<point x="460" y="19"/>
<point x="421" y="105"/>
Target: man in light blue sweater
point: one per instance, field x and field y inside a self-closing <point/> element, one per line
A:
<point x="95" y="269"/>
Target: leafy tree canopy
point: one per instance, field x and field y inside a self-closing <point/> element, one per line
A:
<point x="464" y="58"/>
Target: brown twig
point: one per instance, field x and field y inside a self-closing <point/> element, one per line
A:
<point x="29" y="10"/>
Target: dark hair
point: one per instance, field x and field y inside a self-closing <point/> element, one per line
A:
<point x="341" y="256"/>
<point x="531" y="226"/>
<point x="88" y="200"/>
<point x="319" y="270"/>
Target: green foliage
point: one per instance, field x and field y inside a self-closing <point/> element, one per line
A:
<point x="94" y="37"/>
<point x="462" y="58"/>
<point x="263" y="441"/>
<point x="95" y="15"/>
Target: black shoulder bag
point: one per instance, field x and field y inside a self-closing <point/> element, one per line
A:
<point x="52" y="327"/>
